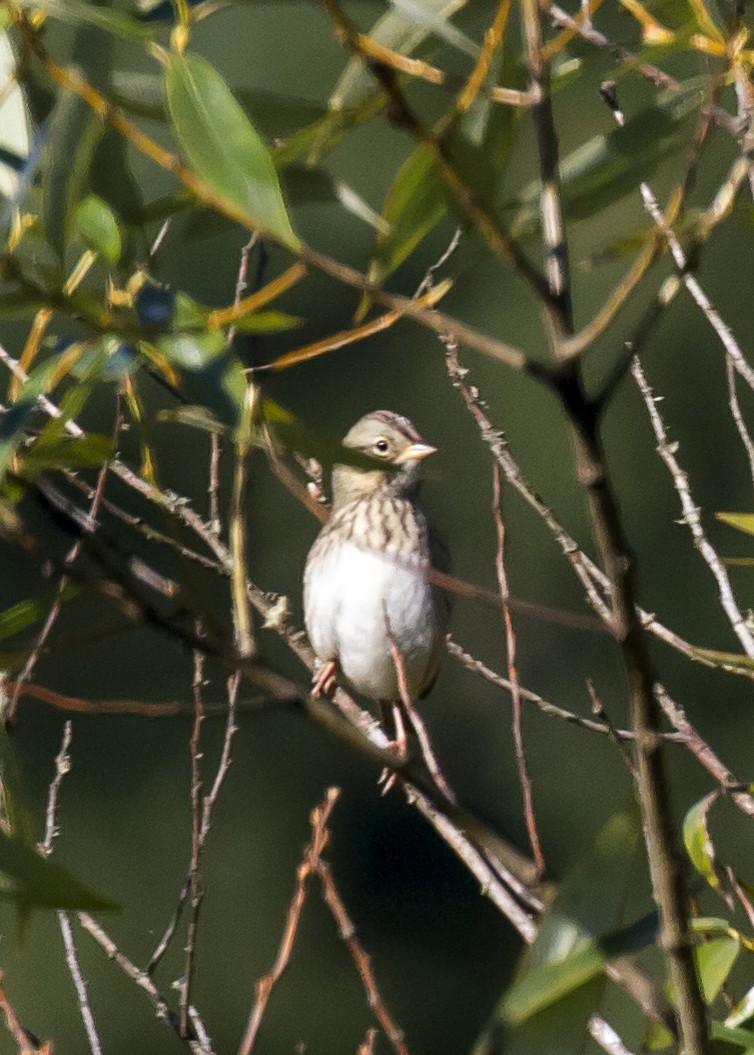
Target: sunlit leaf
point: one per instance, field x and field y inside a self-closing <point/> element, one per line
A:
<point x="742" y="1011"/>
<point x="698" y="842"/>
<point x="223" y="147"/>
<point x="714" y="962"/>
<point x="267" y="322"/>
<point x="740" y="1038"/>
<point x="740" y="521"/>
<point x="192" y="351"/>
<point x="98" y="228"/>
<point x="402" y="31"/>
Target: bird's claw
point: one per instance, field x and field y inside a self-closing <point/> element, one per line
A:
<point x="324" y="679"/>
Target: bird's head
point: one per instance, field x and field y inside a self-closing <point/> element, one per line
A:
<point x="385" y="437"/>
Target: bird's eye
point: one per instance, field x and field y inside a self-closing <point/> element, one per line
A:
<point x="381" y="446"/>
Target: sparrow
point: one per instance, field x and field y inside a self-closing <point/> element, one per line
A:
<point x="367" y="588"/>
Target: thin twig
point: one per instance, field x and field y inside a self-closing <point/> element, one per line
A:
<point x="195" y="880"/>
<point x="143" y="981"/>
<point x="604" y="1035"/>
<point x="691" y="512"/>
<point x="739" y="792"/>
<point x="348" y="935"/>
<point x="82" y="992"/>
<point x="304" y="872"/>
<point x="428" y="755"/>
<point x="476" y="666"/>
<point x="62" y="768"/>
<point x="29" y="666"/>
<point x="524" y="777"/>
<point x="737" y="415"/>
<point x="210" y="801"/>
<point x="26" y="1041"/>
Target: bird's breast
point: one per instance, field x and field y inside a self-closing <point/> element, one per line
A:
<point x="360" y="597"/>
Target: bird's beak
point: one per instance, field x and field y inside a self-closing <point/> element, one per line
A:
<point x="415" y="452"/>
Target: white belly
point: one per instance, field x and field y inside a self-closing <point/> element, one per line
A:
<point x="351" y="597"/>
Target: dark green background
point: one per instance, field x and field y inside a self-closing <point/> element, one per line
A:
<point x="442" y="954"/>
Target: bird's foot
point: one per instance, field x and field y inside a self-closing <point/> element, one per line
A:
<point x="324" y="678"/>
<point x="399" y="745"/>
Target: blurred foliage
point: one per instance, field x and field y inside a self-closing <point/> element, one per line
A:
<point x="216" y="217"/>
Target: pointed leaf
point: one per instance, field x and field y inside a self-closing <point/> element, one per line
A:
<point x="97" y="16"/>
<point x="699" y="845"/>
<point x="740" y="521"/>
<point x="562" y="979"/>
<point x="223" y="147"/>
<point x="607" y="167"/>
<point x="98" y="228"/>
<point x="743" y="1010"/>
<point x="714" y="962"/>
<point x="68" y="452"/>
<point x="416" y="202"/>
<point x="192" y="351"/>
<point x="34" y="882"/>
<point x="70" y="148"/>
<point x="400" y="31"/>
<point x="12" y="423"/>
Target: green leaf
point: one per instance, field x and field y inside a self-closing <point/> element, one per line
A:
<point x="26" y="613"/>
<point x="292" y="434"/>
<point x="304" y="184"/>
<point x="75" y="133"/>
<point x="741" y="1038"/>
<point x="224" y="148"/>
<point x="743" y="1010"/>
<point x="562" y="980"/>
<point x="267" y="322"/>
<point x="607" y="167"/>
<point x="68" y="452"/>
<point x="192" y="351"/>
<point x="324" y="134"/>
<point x="12" y="424"/>
<point x="714" y="962"/>
<point x="94" y="15"/>
<point x="194" y="416"/>
<point x="98" y="227"/>
<point x="740" y="521"/>
<point x="400" y="31"/>
<point x="416" y="202"/>
<point x="35" y="882"/>
<point x="20" y="303"/>
<point x="549" y="982"/>
<point x="696" y="838"/>
<point x="14" y="800"/>
<point x="219" y="387"/>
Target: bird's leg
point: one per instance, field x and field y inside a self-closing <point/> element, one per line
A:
<point x="392" y="719"/>
<point x="406" y="706"/>
<point x="324" y="678"/>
